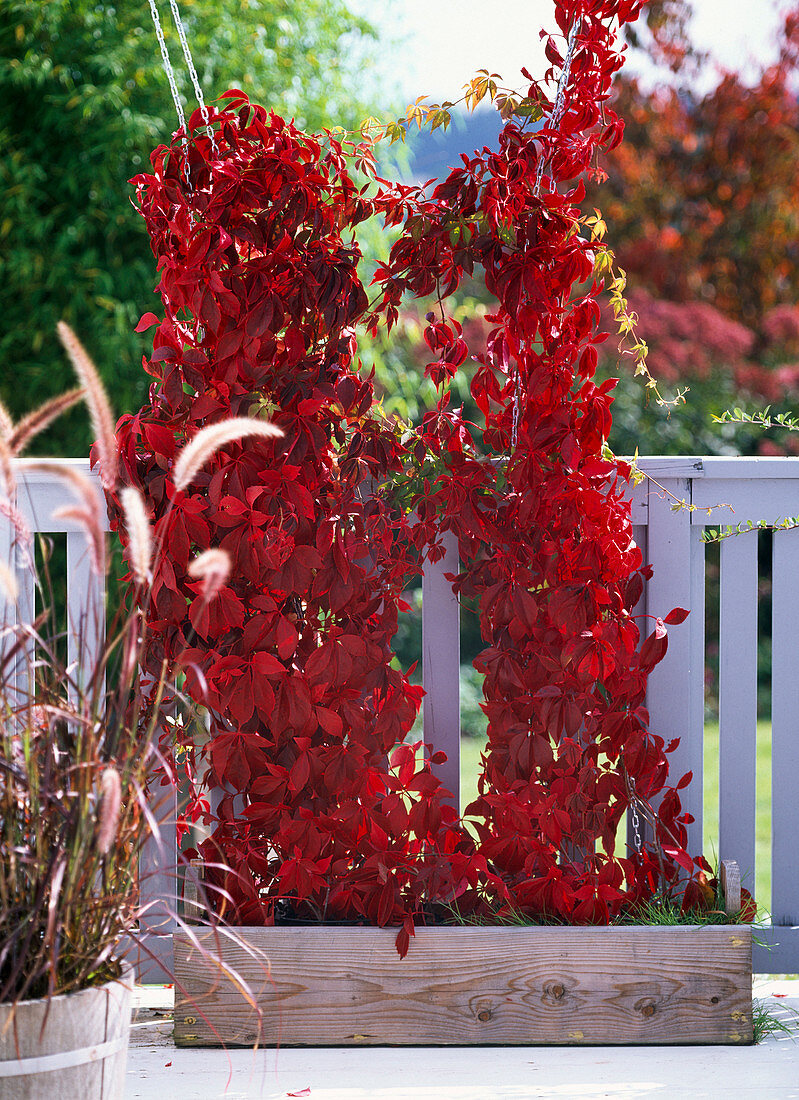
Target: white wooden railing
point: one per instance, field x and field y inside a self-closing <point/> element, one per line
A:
<point x="721" y="491"/>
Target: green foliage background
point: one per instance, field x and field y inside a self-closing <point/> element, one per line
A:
<point x="83" y="101"/>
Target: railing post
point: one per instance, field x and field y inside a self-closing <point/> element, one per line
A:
<point x="675" y="695"/>
<point x="85" y="607"/>
<point x="441" y="659"/>
<point x="784" y="738"/>
<point x="159" y="881"/>
<point x="8" y="611"/>
<point x="738" y="702"/>
<point x="151" y="951"/>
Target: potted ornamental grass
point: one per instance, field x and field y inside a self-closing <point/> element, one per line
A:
<point x="76" y="751"/>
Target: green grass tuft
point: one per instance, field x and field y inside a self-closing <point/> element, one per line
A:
<point x="766" y="1022"/>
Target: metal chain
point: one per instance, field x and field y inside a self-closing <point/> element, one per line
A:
<point x="639" y="844"/>
<point x="170" y="72"/>
<point x="557" y="114"/>
<point x="173" y="87"/>
<point x="636" y="828"/>
<point x="184" y="44"/>
<point x="560" y="96"/>
<point x="514" y="433"/>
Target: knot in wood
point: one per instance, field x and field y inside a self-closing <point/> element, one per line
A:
<point x="557" y="991"/>
<point x="485" y="1015"/>
<point x="648" y="1010"/>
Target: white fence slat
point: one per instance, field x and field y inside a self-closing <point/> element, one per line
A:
<point x="26" y="615"/>
<point x="158" y="866"/>
<point x="151" y="955"/>
<point x="784" y="729"/>
<point x="638" y="496"/>
<point x="692" y="798"/>
<point x="85" y="608"/>
<point x="738" y="702"/>
<point x="8" y="609"/>
<point x="441" y="657"/>
<point x="640" y="536"/>
<point x="675" y="696"/>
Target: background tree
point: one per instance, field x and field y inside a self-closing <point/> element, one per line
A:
<point x="702" y="203"/>
<point x="83" y="100"/>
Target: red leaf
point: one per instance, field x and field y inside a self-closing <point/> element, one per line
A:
<point x="654" y="649"/>
<point x="679" y="855"/>
<point x="147" y="320"/>
<point x="300" y="772"/>
<point x="329" y="721"/>
<point x="404" y="936"/>
<point x="266" y="664"/>
<point x="676" y="616"/>
<point x="287" y="638"/>
<point x="386" y="904"/>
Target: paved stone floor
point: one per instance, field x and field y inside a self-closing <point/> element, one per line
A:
<point x="159" y="1071"/>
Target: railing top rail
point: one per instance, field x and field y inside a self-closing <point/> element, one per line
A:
<point x="721" y="466"/>
<point x="688" y="466"/>
<point x="29" y="472"/>
<point x="40" y="493"/>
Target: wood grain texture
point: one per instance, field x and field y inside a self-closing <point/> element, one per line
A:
<point x="326" y="986"/>
<point x="731" y="886"/>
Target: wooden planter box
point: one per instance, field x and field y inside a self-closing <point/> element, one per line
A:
<point x="345" y="986"/>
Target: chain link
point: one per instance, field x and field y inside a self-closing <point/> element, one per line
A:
<point x="636" y="828"/>
<point x="517" y="385"/>
<point x="184" y="44"/>
<point x="636" y="821"/>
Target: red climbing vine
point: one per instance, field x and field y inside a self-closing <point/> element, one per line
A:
<point x="327" y="812"/>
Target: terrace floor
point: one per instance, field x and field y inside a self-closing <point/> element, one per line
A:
<point x="157" y="1070"/>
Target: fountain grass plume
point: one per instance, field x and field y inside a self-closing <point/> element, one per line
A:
<point x="207" y="442"/>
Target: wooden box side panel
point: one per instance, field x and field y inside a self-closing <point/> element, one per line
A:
<point x="340" y="986"/>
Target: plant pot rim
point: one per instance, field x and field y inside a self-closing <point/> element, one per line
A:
<point x="126" y="977"/>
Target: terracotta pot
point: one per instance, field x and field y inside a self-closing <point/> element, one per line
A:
<point x="72" y="1047"/>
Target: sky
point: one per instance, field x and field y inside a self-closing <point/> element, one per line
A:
<point x="439" y="44"/>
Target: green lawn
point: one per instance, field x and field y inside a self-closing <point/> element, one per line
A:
<point x="472" y="747"/>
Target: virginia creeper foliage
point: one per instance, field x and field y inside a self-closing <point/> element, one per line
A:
<point x="327" y="813"/>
